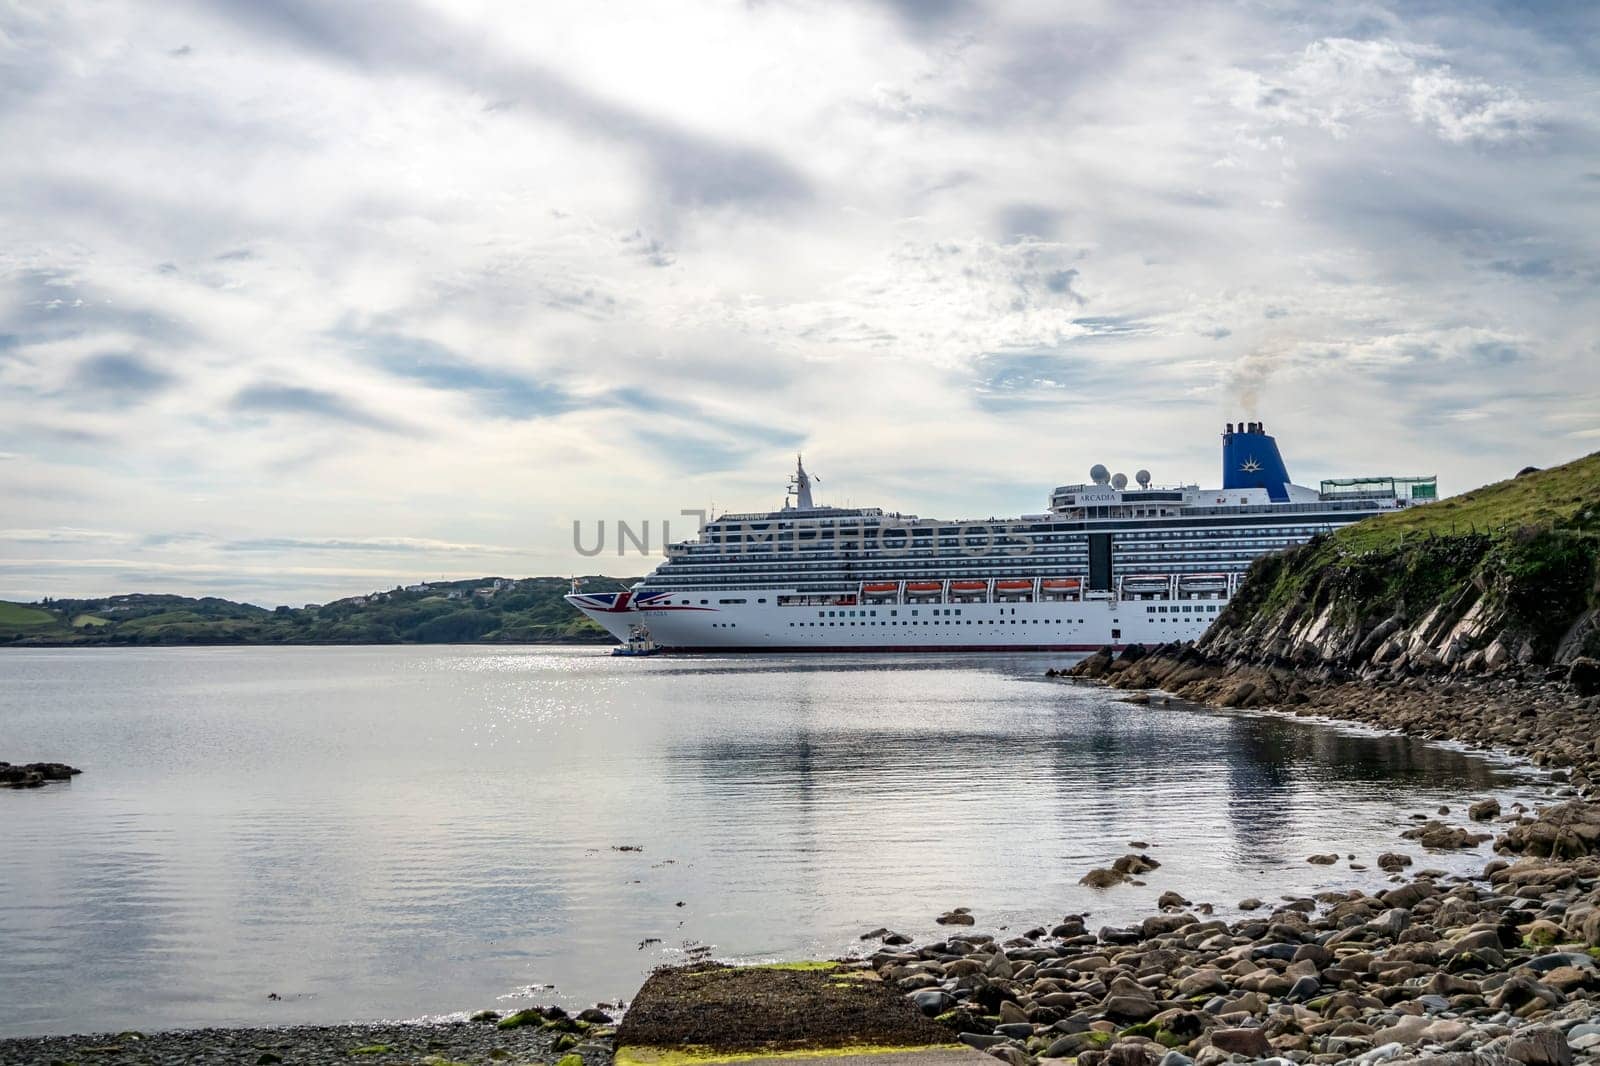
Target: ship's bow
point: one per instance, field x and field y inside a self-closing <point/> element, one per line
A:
<point x="612" y="611"/>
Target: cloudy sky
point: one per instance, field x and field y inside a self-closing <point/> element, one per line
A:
<point x="300" y="299"/>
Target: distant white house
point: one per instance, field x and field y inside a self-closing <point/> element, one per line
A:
<point x="419" y="588"/>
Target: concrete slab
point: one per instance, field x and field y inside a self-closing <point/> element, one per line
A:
<point x="838" y="1014"/>
<point x="956" y="1055"/>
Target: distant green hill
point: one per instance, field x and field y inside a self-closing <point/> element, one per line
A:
<point x="21" y="617"/>
<point x="490" y="610"/>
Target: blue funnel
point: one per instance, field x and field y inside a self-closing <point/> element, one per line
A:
<point x="1250" y="460"/>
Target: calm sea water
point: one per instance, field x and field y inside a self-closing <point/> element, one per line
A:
<point x="398" y="832"/>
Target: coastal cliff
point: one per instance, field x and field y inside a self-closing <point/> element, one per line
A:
<point x="1501" y="577"/>
<point x="1495" y="593"/>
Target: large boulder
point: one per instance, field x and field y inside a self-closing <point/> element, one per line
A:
<point x="1439" y="836"/>
<point x="35" y="774"/>
<point x="1539" y="1045"/>
<point x="1251" y="1043"/>
<point x="1131" y="864"/>
<point x="1566" y="830"/>
<point x="1584" y="676"/>
<point x="1095" y="666"/>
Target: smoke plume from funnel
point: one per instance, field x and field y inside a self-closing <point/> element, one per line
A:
<point x="1251" y="372"/>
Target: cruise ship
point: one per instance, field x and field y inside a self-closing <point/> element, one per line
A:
<point x="1109" y="563"/>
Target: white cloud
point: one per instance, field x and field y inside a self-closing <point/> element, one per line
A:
<point x="1337" y="84"/>
<point x="1466" y="110"/>
<point x="414" y="545"/>
<point x="299" y="283"/>
<point x="62" y="536"/>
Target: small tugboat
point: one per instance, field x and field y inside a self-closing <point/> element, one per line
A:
<point x="639" y="642"/>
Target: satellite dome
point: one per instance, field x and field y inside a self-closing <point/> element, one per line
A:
<point x="1119" y="481"/>
<point x="1143" y="478"/>
<point x="1099" y="474"/>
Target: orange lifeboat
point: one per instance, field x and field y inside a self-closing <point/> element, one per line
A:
<point x="968" y="586"/>
<point x="923" y="586"/>
<point x="1012" y="585"/>
<point x="880" y="587"/>
<point x="1061" y="584"/>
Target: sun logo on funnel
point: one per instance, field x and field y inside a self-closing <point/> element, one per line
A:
<point x="1250" y="466"/>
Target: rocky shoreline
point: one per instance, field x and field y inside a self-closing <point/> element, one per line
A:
<point x="1547" y="715"/>
<point x="1461" y="971"/>
<point x="544" y="1036"/>
<point x="1502" y="967"/>
<point x="1499" y="968"/>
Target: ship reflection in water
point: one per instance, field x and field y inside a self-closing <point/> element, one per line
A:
<point x="393" y="832"/>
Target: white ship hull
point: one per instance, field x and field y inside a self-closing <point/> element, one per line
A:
<point x="1073" y="625"/>
<point x="1108" y="564"/>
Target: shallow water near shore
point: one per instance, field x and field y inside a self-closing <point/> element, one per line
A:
<point x="401" y="832"/>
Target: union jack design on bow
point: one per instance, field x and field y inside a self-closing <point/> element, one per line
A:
<point x="602" y="601"/>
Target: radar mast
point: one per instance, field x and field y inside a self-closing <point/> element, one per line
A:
<point x="800" y="485"/>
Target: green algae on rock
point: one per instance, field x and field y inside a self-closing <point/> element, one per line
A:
<point x="711" y="1010"/>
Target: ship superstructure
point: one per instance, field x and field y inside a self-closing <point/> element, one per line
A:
<point x="1108" y="563"/>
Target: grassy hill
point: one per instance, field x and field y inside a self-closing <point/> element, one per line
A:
<point x="528" y="610"/>
<point x="1511" y="565"/>
<point x="1563" y="497"/>
<point x="21" y="617"/>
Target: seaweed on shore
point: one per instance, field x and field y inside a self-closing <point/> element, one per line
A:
<point x="767" y="1008"/>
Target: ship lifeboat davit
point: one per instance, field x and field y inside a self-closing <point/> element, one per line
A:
<point x="968" y="586"/>
<point x="880" y="587"/>
<point x="923" y="586"/>
<point x="1013" y="585"/>
<point x="1061" y="584"/>
<point x="1203" y="582"/>
<point x="1144" y="583"/>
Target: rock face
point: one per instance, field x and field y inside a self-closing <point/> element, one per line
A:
<point x="1584" y="676"/>
<point x="1563" y="831"/>
<point x="35" y="774"/>
<point x="1463" y="604"/>
<point x="1408" y="596"/>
